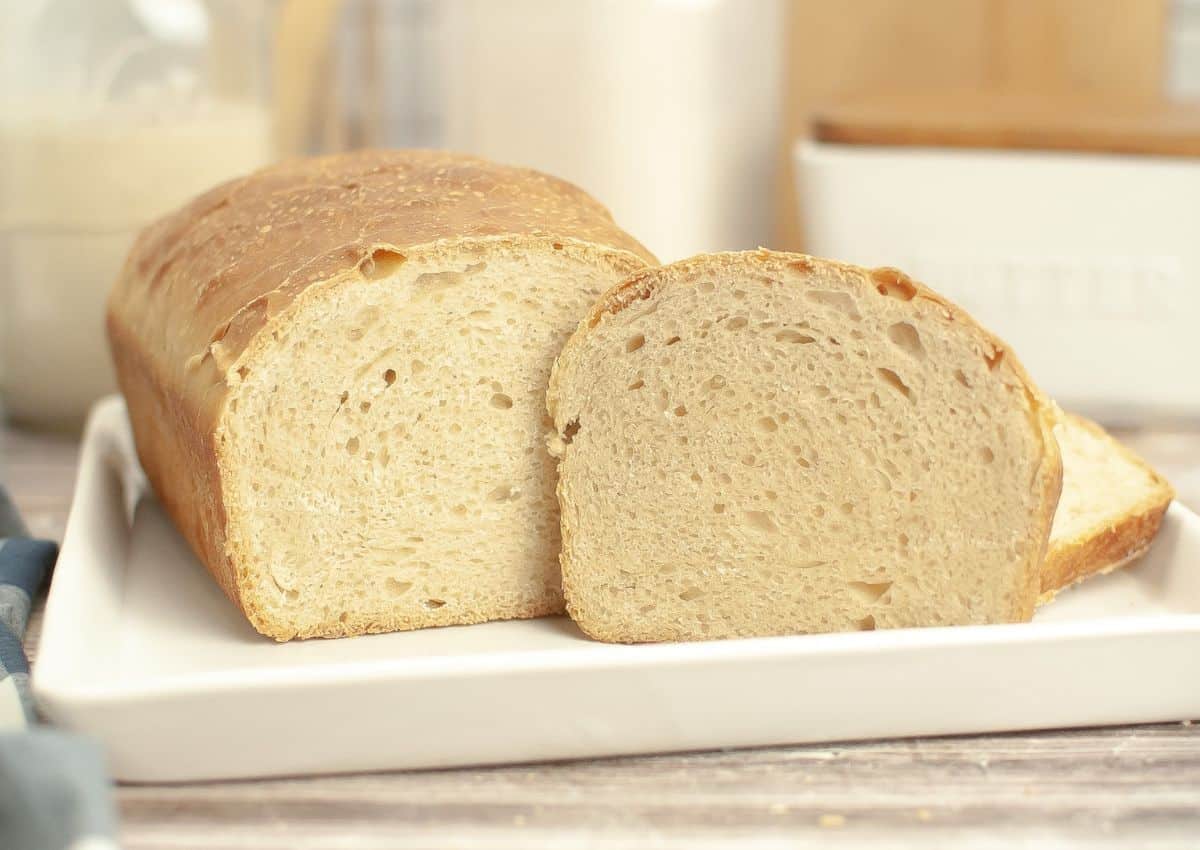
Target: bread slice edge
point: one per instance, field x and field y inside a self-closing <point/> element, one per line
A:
<point x="1105" y="547"/>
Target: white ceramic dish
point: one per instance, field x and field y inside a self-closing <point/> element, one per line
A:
<point x="141" y="650"/>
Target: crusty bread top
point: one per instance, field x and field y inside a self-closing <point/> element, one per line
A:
<point x="202" y="281"/>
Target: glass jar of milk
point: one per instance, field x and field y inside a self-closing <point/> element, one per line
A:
<point x="111" y="114"/>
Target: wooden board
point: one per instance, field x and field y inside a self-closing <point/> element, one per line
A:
<point x="1010" y="120"/>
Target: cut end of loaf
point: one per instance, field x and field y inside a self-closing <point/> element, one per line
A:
<point x="383" y="448"/>
<point x="766" y="443"/>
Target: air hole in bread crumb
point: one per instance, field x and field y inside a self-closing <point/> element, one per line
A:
<point x="716" y="382"/>
<point x="417" y="367"/>
<point x="718" y="508"/>
<point x="961" y="377"/>
<point x="986" y="454"/>
<point x="894" y="381"/>
<point x="820" y="390"/>
<point x="398" y="588"/>
<point x="868" y="592"/>
<point x="749" y="460"/>
<point x="637" y="385"/>
<point x="673" y="340"/>
<point x="768" y="424"/>
<point x="243" y="372"/>
<point x="894" y="284"/>
<point x="902" y="539"/>
<point x="818" y="511"/>
<point x="847" y="508"/>
<point x="691" y="593"/>
<point x="761" y="521"/>
<point x="500" y="401"/>
<point x="570" y="431"/>
<point x="737" y="323"/>
<point x="389" y="377"/>
<point x="866" y="624"/>
<point x="842" y="302"/>
<point x="433" y="604"/>
<point x="771" y="495"/>
<point x="634" y="343"/>
<point x="504" y="493"/>
<point x="365" y="406"/>
<point x="724" y="478"/>
<point x="995" y="358"/>
<point x="380" y="263"/>
<point x="352" y="445"/>
<point x="681" y="411"/>
<point x="697" y="477"/>
<point x="793" y="336"/>
<point x="906" y="337"/>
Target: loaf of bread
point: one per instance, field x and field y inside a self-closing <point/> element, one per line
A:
<point x="1111" y="507"/>
<point x="764" y="443"/>
<point x="336" y="370"/>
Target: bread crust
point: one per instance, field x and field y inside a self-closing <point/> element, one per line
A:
<point x="1104" y="548"/>
<point x="642" y="284"/>
<point x="203" y="287"/>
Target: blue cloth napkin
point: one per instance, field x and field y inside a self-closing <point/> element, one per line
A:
<point x="54" y="788"/>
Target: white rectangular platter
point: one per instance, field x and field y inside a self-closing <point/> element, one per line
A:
<point x="142" y="651"/>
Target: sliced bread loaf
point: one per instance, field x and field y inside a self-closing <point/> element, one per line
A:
<point x="763" y="443"/>
<point x="1111" y="507"/>
<point x="336" y="371"/>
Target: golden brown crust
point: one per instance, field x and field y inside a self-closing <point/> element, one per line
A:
<point x="1105" y="548"/>
<point x="201" y="284"/>
<point x="1103" y="551"/>
<point x="887" y="281"/>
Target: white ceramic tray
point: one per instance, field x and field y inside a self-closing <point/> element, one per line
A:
<point x="141" y="650"/>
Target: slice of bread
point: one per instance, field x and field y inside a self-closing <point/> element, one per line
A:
<point x="1111" y="507"/>
<point x="336" y="372"/>
<point x="763" y="443"/>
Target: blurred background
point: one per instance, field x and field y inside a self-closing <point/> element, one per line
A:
<point x="1036" y="160"/>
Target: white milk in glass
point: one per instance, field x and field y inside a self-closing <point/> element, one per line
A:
<point x="76" y="184"/>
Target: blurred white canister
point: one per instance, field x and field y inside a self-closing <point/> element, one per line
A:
<point x="111" y="113"/>
<point x="665" y="110"/>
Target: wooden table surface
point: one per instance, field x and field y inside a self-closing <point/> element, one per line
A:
<point x="1134" y="787"/>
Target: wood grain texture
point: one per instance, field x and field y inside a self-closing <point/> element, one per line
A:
<point x="1125" y="787"/>
<point x="1097" y="48"/>
<point x="1013" y="121"/>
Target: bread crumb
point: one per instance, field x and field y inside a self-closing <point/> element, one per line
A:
<point x="831" y="821"/>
